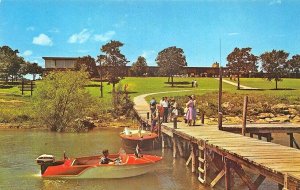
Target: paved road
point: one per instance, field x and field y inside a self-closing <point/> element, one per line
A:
<point x="241" y="86"/>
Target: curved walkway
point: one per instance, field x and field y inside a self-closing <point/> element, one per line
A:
<point x="141" y="105"/>
<point x="235" y="84"/>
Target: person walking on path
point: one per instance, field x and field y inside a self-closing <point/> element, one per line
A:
<point x="153" y="107"/>
<point x="190" y="110"/>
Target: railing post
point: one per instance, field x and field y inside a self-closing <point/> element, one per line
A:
<point x="220" y="120"/>
<point x="159" y="125"/>
<point x="202" y="118"/>
<point x="245" y="115"/>
<point x="175" y="122"/>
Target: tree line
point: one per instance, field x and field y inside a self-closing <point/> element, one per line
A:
<point x="274" y="64"/>
<point x="13" y="66"/>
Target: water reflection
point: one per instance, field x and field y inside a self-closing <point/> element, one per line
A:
<point x="18" y="150"/>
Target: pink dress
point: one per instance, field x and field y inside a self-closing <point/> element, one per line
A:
<point x="190" y="112"/>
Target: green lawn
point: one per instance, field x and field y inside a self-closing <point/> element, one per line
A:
<point x="288" y="89"/>
<point x="286" y="83"/>
<point x="14" y="106"/>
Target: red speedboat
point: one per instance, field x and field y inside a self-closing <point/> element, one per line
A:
<point x="125" y="165"/>
<point x="144" y="139"/>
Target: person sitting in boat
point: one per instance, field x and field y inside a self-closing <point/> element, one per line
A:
<point x="104" y="159"/>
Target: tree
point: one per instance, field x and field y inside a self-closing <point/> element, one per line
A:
<point x="61" y="99"/>
<point x="274" y="63"/>
<point x="89" y="63"/>
<point x="294" y="65"/>
<point x="241" y="61"/>
<point x="171" y="61"/>
<point x="140" y="66"/>
<point x="10" y="62"/>
<point x="114" y="63"/>
<point x="35" y="69"/>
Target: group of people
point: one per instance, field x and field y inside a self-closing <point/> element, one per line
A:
<point x="167" y="108"/>
<point x="194" y="83"/>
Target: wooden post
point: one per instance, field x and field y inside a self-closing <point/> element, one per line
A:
<point x="175" y="122"/>
<point x="269" y="137"/>
<point x="174" y="147"/>
<point x="148" y="115"/>
<point x="220" y="120"/>
<point x="193" y="154"/>
<point x="22" y="86"/>
<point x="159" y="126"/>
<point x="285" y="182"/>
<point x="245" y="115"/>
<point x="31" y="88"/>
<point x="220" y="91"/>
<point x="259" y="136"/>
<point x="291" y="139"/>
<point x="180" y="149"/>
<point x="202" y="118"/>
<point x="227" y="174"/>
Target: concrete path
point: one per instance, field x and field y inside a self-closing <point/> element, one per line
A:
<point x="235" y="84"/>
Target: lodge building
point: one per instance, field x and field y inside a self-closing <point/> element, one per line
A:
<point x="63" y="63"/>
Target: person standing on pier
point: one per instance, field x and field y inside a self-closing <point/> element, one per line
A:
<point x="165" y="105"/>
<point x="153" y="108"/>
<point x="190" y="110"/>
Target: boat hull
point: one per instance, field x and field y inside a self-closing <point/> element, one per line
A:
<point x="145" y="140"/>
<point x="112" y="172"/>
<point x="129" y="166"/>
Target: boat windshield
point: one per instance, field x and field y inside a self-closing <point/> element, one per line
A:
<point x="123" y="155"/>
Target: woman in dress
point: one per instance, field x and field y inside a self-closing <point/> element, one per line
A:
<point x="190" y="110"/>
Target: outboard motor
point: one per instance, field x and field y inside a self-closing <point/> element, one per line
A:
<point x="45" y="161"/>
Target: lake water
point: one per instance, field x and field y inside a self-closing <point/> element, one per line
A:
<point x="18" y="170"/>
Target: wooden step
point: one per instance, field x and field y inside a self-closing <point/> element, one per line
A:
<point x="201" y="170"/>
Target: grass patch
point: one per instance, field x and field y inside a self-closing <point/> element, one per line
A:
<point x="15" y="107"/>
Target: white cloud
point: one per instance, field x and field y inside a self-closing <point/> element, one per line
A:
<point x="274" y="2"/>
<point x="26" y="53"/>
<point x="233" y="33"/>
<point x="81" y="37"/>
<point x="104" y="37"/>
<point x="30" y="28"/>
<point x="42" y="40"/>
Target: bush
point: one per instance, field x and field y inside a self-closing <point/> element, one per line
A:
<point x="60" y="99"/>
<point x="122" y="105"/>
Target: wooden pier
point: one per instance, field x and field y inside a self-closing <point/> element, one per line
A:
<point x="229" y="152"/>
<point x="208" y="148"/>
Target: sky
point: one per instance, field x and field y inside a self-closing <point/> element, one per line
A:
<point x="207" y="30"/>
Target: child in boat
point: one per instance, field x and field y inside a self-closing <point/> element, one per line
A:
<point x="104" y="159"/>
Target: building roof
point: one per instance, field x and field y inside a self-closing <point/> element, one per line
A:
<point x="60" y="58"/>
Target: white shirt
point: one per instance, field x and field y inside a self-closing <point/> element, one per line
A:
<point x="164" y="104"/>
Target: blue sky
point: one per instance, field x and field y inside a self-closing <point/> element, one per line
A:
<point x="40" y="28"/>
